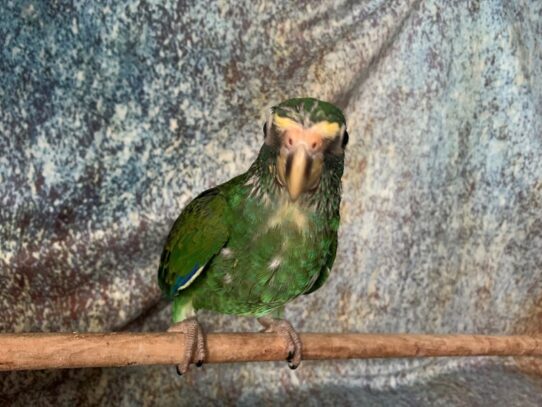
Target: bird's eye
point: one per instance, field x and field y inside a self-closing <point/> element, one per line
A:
<point x="345" y="139"/>
<point x="265" y="130"/>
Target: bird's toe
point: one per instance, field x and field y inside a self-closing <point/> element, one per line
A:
<point x="290" y="356"/>
<point x="182" y="368"/>
<point x="295" y="359"/>
<point x="293" y="342"/>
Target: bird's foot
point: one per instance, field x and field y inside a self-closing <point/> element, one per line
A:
<point x="285" y="329"/>
<point x="194" y="343"/>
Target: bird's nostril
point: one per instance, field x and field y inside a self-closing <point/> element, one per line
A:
<point x="290" y="142"/>
<point x="314" y="145"/>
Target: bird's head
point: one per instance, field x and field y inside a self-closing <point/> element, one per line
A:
<point x="303" y="132"/>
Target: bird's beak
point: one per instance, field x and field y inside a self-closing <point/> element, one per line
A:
<point x="299" y="170"/>
<point x="297" y="166"/>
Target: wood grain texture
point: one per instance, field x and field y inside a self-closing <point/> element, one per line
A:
<point x="75" y="350"/>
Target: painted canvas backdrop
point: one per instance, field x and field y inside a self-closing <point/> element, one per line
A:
<point x="113" y="115"/>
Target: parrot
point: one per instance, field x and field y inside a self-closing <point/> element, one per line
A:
<point x="251" y="245"/>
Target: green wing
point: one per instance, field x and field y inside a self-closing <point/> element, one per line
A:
<point x="324" y="273"/>
<point x="197" y="235"/>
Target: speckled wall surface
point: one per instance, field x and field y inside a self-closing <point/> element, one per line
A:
<point x="114" y="115"/>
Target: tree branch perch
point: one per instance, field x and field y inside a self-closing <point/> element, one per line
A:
<point x="75" y="350"/>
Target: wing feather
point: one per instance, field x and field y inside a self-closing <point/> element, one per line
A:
<point x="198" y="234"/>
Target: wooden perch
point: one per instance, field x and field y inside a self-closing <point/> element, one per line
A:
<point x="73" y="350"/>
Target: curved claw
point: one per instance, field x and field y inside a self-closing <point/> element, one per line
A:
<point x="292" y="366"/>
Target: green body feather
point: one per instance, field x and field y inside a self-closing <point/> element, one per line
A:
<point x="244" y="248"/>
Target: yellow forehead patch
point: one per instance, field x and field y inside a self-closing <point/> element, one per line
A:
<point x="326" y="129"/>
<point x="285" y="123"/>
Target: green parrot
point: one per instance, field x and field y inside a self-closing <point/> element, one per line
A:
<point x="251" y="245"/>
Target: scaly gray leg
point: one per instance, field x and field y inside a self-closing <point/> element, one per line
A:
<point x="195" y="343"/>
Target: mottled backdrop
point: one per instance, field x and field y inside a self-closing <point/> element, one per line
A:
<point x="114" y="114"/>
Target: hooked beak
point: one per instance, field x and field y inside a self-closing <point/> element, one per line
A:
<point x="299" y="171"/>
<point x="297" y="166"/>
